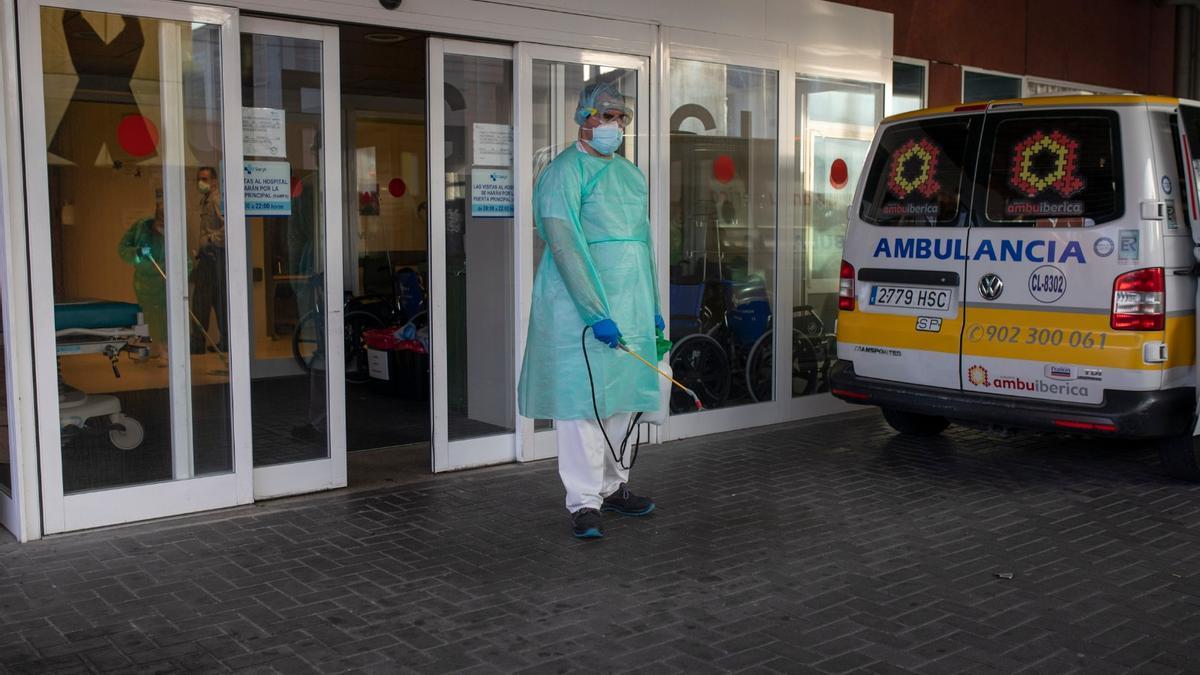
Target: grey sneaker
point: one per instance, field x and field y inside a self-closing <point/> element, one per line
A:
<point x="586" y="524"/>
<point x="626" y="503"/>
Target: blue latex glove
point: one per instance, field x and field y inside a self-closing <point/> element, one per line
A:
<point x="606" y="331"/>
<point x="658" y="323"/>
<point x="144" y="253"/>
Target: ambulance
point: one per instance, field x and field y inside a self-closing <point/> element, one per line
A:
<point x="1029" y="264"/>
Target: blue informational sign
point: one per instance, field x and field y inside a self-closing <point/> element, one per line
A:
<point x="491" y="193"/>
<point x="268" y="188"/>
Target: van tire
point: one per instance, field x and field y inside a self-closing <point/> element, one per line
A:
<point x="915" y="424"/>
<point x="1179" y="457"/>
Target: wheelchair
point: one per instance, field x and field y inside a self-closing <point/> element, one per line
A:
<point x="724" y="345"/>
<point x="407" y="304"/>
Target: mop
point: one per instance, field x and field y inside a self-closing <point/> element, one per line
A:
<point x="207" y="337"/>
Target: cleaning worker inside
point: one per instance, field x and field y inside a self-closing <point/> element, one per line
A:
<point x="595" y="306"/>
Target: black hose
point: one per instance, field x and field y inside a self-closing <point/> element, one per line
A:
<point x="633" y="421"/>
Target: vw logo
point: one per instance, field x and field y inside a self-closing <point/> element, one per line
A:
<point x="990" y="286"/>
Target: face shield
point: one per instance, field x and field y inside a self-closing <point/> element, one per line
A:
<point x="603" y="98"/>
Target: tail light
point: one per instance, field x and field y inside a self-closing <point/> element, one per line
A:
<point x="846" y="288"/>
<point x="1139" y="300"/>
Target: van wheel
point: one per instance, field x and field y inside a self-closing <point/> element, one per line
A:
<point x="1179" y="457"/>
<point x="915" y="424"/>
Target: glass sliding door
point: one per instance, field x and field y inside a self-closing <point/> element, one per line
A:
<point x="128" y="119"/>
<point x="473" y="253"/>
<point x="724" y="180"/>
<point x="291" y="166"/>
<point x="835" y="121"/>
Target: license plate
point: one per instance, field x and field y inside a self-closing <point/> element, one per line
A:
<point x="915" y="298"/>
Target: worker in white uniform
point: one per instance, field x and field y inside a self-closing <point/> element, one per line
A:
<point x="595" y="290"/>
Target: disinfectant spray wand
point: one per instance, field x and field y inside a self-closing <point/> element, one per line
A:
<point x="689" y="392"/>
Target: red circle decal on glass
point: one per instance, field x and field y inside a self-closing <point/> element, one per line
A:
<point x="397" y="188"/>
<point x="723" y="169"/>
<point x="297" y="187"/>
<point x="137" y="135"/>
<point x="839" y="174"/>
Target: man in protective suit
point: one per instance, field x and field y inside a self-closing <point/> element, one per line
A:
<point x="595" y="290"/>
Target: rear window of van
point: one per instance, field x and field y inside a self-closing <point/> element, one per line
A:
<point x="1051" y="169"/>
<point x="916" y="175"/>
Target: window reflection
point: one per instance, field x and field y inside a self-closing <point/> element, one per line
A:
<point x="282" y="99"/>
<point x="122" y="93"/>
<point x="989" y="87"/>
<point x="724" y="139"/>
<point x="835" y="122"/>
<point x="908" y="87"/>
<point x="479" y="244"/>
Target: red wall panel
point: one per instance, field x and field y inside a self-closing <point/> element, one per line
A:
<point x="1126" y="44"/>
<point x="945" y="84"/>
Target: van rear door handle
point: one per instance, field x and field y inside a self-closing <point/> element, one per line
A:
<point x="1152" y="210"/>
<point x="920" y="277"/>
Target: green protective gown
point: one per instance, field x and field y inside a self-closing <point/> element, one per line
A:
<point x="592" y="212"/>
<point x="148" y="284"/>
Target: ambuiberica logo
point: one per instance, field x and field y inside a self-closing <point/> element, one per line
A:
<point x="978" y="376"/>
<point x="1045" y="171"/>
<point x="911" y="179"/>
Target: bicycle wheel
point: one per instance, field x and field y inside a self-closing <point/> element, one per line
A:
<point x="700" y="364"/>
<point x="305" y="339"/>
<point x="759" y="366"/>
<point x="357" y="321"/>
<point x="806" y="370"/>
<point x="826" y="355"/>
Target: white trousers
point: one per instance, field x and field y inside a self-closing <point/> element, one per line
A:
<point x="588" y="470"/>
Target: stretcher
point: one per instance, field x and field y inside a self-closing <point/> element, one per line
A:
<point x="99" y="327"/>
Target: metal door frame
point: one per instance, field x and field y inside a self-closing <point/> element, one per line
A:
<point x="446" y="454"/>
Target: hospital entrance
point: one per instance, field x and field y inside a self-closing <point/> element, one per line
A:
<point x="143" y="263"/>
<point x="254" y="278"/>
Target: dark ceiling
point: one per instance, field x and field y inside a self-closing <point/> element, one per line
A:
<point x="373" y="67"/>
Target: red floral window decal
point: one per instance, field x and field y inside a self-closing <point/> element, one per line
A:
<point x="1032" y="177"/>
<point x="912" y="169"/>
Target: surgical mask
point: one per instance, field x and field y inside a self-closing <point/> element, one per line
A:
<point x="606" y="138"/>
<point x="203" y="187"/>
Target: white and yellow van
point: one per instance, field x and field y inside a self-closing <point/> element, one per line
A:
<point x="1029" y="263"/>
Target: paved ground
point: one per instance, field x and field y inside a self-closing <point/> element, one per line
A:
<point x="824" y="547"/>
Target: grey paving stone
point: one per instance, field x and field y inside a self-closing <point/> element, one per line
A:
<point x="832" y="546"/>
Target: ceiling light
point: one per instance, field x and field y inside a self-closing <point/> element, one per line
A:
<point x="385" y="38"/>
